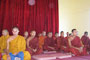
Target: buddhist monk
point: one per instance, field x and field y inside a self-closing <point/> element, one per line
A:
<point x="64" y="42"/>
<point x="3" y="40"/>
<point x="41" y="39"/>
<point x="33" y="45"/>
<point x="56" y="37"/>
<point x="15" y="45"/>
<point x="85" y="40"/>
<point x="70" y="34"/>
<point x="67" y="35"/>
<point x="66" y="38"/>
<point x="57" y="41"/>
<point x="75" y="44"/>
<point x="49" y="44"/>
<point x="26" y="35"/>
<point x="40" y="34"/>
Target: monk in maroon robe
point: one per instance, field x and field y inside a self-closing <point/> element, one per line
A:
<point x="56" y="37"/>
<point x="49" y="43"/>
<point x="26" y="35"/>
<point x="56" y="40"/>
<point x="75" y="44"/>
<point x="33" y="44"/>
<point x="85" y="40"/>
<point x="64" y="42"/>
<point x="67" y="35"/>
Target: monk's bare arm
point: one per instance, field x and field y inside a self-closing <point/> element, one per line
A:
<point x="8" y="41"/>
<point x="82" y="44"/>
<point x="69" y="41"/>
<point x="28" y="42"/>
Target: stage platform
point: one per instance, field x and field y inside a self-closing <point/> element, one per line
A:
<point x="58" y="56"/>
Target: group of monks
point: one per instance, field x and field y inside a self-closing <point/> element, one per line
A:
<point x="33" y="45"/>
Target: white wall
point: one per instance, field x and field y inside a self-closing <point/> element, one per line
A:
<point x="74" y="14"/>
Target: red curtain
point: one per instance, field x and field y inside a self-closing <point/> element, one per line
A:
<point x="41" y="16"/>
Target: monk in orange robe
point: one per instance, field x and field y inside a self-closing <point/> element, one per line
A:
<point x="49" y="44"/>
<point x="64" y="43"/>
<point x="15" y="45"/>
<point x="39" y="35"/>
<point x="75" y="44"/>
<point x="85" y="40"/>
<point x="33" y="44"/>
<point x="3" y="41"/>
<point x="41" y="39"/>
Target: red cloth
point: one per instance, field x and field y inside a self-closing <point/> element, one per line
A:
<point x="85" y="41"/>
<point x="34" y="45"/>
<point x="76" y="42"/>
<point x="49" y="42"/>
<point x="64" y="42"/>
<point x="0" y="56"/>
<point x="41" y="16"/>
<point x="57" y="43"/>
<point x="55" y="39"/>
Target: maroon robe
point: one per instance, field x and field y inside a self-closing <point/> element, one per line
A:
<point x="34" y="44"/>
<point x="57" y="43"/>
<point x="55" y="40"/>
<point x="49" y="42"/>
<point x="64" y="42"/>
<point x="85" y="41"/>
<point x="76" y="42"/>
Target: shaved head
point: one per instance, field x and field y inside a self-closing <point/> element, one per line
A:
<point x="86" y="33"/>
<point x="50" y="34"/>
<point x="5" y="32"/>
<point x="33" y="33"/>
<point x="74" y="32"/>
<point x="56" y="34"/>
<point x="15" y="30"/>
<point x="44" y="33"/>
<point x="26" y="33"/>
<point x="62" y="33"/>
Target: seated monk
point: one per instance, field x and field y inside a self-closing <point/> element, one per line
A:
<point x="63" y="43"/>
<point x="26" y="35"/>
<point x="39" y="35"/>
<point x="33" y="45"/>
<point x="75" y="44"/>
<point x="85" y="41"/>
<point x="3" y="40"/>
<point x="57" y="41"/>
<point x="67" y="35"/>
<point x="41" y="39"/>
<point x="49" y="44"/>
<point x="15" y="45"/>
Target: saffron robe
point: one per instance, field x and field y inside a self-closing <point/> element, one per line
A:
<point x="18" y="45"/>
<point x="3" y="43"/>
<point x="41" y="41"/>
